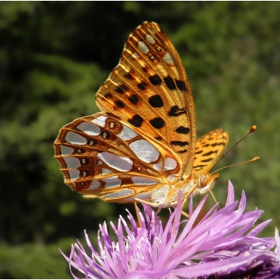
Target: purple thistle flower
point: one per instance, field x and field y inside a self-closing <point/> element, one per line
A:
<point x="222" y="245"/>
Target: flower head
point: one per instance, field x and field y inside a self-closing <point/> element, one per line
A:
<point x="222" y="245"/>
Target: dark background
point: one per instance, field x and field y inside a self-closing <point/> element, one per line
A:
<point x="53" y="58"/>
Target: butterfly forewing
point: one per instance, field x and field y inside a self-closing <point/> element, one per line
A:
<point x="149" y="90"/>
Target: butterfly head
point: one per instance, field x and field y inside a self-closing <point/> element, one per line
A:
<point x="205" y="183"/>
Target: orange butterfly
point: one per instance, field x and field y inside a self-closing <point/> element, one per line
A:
<point x="142" y="146"/>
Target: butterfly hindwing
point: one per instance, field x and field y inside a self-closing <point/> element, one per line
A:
<point x="101" y="157"/>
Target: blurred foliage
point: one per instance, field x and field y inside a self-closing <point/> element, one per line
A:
<point x="53" y="58"/>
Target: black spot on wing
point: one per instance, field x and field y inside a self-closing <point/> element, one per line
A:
<point x="155" y="80"/>
<point x="209" y="153"/>
<point x="121" y="89"/>
<point x="106" y="135"/>
<point x="108" y="95"/>
<point x="207" y="160"/>
<point x="198" y="167"/>
<point x="182" y="130"/>
<point x="157" y="122"/>
<point x="181" y="85"/>
<point x="129" y="76"/>
<point x="179" y="143"/>
<point x="142" y="86"/>
<point x="134" y="99"/>
<point x="84" y="173"/>
<point x="182" y="151"/>
<point x="218" y="144"/>
<point x="80" y="151"/>
<point x="84" y="161"/>
<point x="92" y="142"/>
<point x="156" y="101"/>
<point x="136" y="120"/>
<point x="119" y="104"/>
<point x="169" y="83"/>
<point x="175" y="111"/>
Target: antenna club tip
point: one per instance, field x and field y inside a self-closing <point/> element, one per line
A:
<point x="256" y="158"/>
<point x="253" y="128"/>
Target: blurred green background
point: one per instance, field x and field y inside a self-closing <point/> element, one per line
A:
<point x="53" y="58"/>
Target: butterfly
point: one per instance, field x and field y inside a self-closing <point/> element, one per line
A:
<point x="142" y="146"/>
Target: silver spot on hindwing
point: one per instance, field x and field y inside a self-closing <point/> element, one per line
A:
<point x="142" y="47"/>
<point x="89" y="128"/>
<point x="75" y="138"/>
<point x="101" y="121"/>
<point x="117" y="162"/>
<point x="144" y="150"/>
<point x="150" y="39"/>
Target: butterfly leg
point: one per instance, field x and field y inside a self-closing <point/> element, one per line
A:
<point x="185" y="214"/>
<point x="182" y="211"/>
<point x="214" y="198"/>
<point x="146" y="202"/>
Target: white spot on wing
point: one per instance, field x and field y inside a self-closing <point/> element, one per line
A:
<point x="72" y="162"/>
<point x="144" y="150"/>
<point x="127" y="133"/>
<point x="64" y="150"/>
<point x="74" y="174"/>
<point x="169" y="164"/>
<point x="135" y="55"/>
<point x="75" y="138"/>
<point x="168" y="59"/>
<point x="89" y="128"/>
<point x="112" y="182"/>
<point x="95" y="184"/>
<point x="171" y="177"/>
<point x="154" y="31"/>
<point x="142" y="47"/>
<point x="138" y="180"/>
<point x="150" y="39"/>
<point x="105" y="171"/>
<point x="117" y="162"/>
<point x="157" y="166"/>
<point x="119" y="194"/>
<point x="143" y="196"/>
<point x="101" y="121"/>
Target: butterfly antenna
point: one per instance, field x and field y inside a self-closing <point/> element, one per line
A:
<point x="251" y="130"/>
<point x="236" y="164"/>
